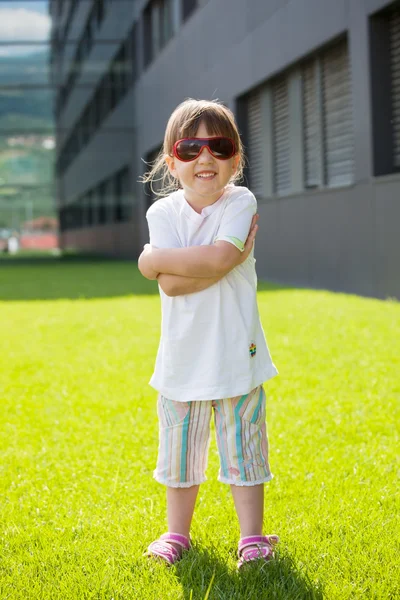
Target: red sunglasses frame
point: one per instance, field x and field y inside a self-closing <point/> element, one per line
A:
<point x="206" y="144"/>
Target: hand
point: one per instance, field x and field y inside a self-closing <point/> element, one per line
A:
<point x="250" y="239"/>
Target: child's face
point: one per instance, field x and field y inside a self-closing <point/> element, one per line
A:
<point x="203" y="191"/>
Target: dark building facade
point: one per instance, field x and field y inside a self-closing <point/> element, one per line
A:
<point x="315" y="86"/>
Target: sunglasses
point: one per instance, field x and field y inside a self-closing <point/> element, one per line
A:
<point x="189" y="149"/>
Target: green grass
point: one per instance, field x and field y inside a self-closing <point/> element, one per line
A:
<point x="78" y="443"/>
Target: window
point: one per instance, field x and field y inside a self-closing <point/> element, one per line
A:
<point x="62" y="214"/>
<point x="109" y="202"/>
<point x="313" y="158"/>
<point x="384" y="35"/>
<point x="188" y="6"/>
<point x="166" y="29"/>
<point x="327" y="114"/>
<point x="87" y="40"/>
<point x="147" y="36"/>
<point x="394" y="29"/>
<point x="299" y="126"/>
<point x="337" y="111"/>
<point x="281" y="139"/>
<point x="89" y="209"/>
<point x="97" y="108"/>
<point x="99" y="11"/>
<point x="84" y="45"/>
<point x="84" y="209"/>
<point x="76" y="212"/>
<point x="118" y="206"/>
<point x="112" y="81"/>
<point x="105" y="92"/>
<point x="102" y="203"/>
<point x="75" y="70"/>
<point x="109" y="198"/>
<point x="109" y="92"/>
<point x="85" y="126"/>
<point x="157" y="28"/>
<point x="255" y="142"/>
<point x="121" y="194"/>
<point x="131" y="51"/>
<point x="120" y="73"/>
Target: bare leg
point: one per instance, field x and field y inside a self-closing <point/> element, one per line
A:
<point x="180" y="508"/>
<point x="249" y="504"/>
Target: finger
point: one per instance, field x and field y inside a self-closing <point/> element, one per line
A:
<point x="254" y="231"/>
<point x="254" y="221"/>
<point x="251" y="237"/>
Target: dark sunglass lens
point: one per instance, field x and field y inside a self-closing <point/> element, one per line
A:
<point x="221" y="147"/>
<point x="188" y="149"/>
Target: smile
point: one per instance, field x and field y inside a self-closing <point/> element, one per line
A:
<point x="206" y="175"/>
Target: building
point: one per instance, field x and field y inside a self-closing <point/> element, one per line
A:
<point x="315" y="85"/>
<point x="26" y="123"/>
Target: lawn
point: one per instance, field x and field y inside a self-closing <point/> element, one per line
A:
<point x="78" y="444"/>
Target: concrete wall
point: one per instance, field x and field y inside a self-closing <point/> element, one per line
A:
<point x="341" y="239"/>
<point x="344" y="240"/>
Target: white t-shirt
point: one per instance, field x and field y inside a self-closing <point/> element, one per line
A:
<point x="212" y="344"/>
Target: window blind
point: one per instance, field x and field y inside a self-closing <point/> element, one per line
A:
<point x="337" y="110"/>
<point x="280" y="99"/>
<point x="255" y="142"/>
<point x="312" y="124"/>
<point x="394" y="26"/>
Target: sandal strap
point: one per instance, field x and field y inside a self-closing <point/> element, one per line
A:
<point x="253" y="540"/>
<point x="176" y="538"/>
<point x="249" y="554"/>
<point x="163" y="547"/>
<point x="164" y="550"/>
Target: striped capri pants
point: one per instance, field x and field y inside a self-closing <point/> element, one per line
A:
<point x="184" y="435"/>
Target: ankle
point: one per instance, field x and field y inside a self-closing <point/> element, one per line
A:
<point x="176" y="545"/>
<point x="251" y="532"/>
<point x="179" y="531"/>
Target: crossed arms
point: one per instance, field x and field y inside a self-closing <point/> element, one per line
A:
<point x="187" y="270"/>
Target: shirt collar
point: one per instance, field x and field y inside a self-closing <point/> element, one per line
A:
<point x="207" y="210"/>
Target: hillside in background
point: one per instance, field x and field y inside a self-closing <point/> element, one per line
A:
<point x="26" y="92"/>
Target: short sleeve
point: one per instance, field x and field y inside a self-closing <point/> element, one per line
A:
<point x="162" y="230"/>
<point x="236" y="220"/>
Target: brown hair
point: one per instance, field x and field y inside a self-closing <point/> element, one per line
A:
<point x="184" y="122"/>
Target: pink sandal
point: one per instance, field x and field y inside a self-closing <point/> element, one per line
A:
<point x="254" y="547"/>
<point x="164" y="549"/>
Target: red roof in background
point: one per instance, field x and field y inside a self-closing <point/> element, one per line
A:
<point x="41" y="224"/>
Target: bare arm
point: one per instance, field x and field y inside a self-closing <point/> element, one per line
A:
<point x="177" y="285"/>
<point x="145" y="266"/>
<point x="195" y="261"/>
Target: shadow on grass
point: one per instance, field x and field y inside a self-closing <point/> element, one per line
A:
<point x="75" y="276"/>
<point x="202" y="572"/>
<point x="70" y="276"/>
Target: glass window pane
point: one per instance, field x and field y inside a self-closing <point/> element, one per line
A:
<point x="27" y="142"/>
<point x="25" y="110"/>
<point x="26" y="159"/>
<point x="26" y="64"/>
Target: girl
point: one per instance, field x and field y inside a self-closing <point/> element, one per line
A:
<point x="212" y="356"/>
